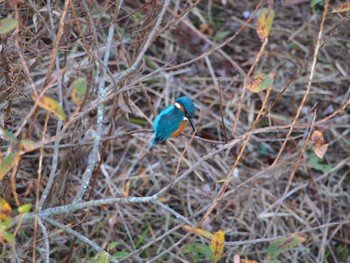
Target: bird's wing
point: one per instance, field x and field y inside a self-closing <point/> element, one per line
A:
<point x="167" y="124"/>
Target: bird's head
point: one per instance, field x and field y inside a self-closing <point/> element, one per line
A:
<point x="186" y="105"/>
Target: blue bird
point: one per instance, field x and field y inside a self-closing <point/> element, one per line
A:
<point x="172" y="120"/>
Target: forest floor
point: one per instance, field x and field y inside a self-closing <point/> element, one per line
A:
<point x="98" y="190"/>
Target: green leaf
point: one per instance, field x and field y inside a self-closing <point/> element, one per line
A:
<point x="24" y="209"/>
<point x="9" y="237"/>
<point x="281" y="245"/>
<point x="120" y="255"/>
<point x="7" y="163"/>
<point x="141" y="238"/>
<point x="5" y="224"/>
<point x="221" y="35"/>
<point x="348" y="45"/>
<point x="102" y="258"/>
<point x="7" y="25"/>
<point x="79" y="91"/>
<point x="316" y="2"/>
<point x="317" y="164"/>
<point x="113" y="245"/>
<point x="200" y="249"/>
<point x="7" y="136"/>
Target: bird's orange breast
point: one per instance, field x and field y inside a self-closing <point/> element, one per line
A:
<point x="180" y="129"/>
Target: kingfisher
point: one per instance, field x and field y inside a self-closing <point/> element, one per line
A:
<point x="172" y="120"/>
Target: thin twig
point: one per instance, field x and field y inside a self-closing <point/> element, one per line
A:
<point x="221" y="111"/>
<point x="82" y="238"/>
<point x="93" y="156"/>
<point x="174" y="213"/>
<point x="312" y="72"/>
<point x="240" y="154"/>
<point x="214" y="49"/>
<point x="145" y="47"/>
<point x="46" y="240"/>
<point x="176" y="244"/>
<point x="54" y="163"/>
<point x="41" y="156"/>
<point x="258" y="56"/>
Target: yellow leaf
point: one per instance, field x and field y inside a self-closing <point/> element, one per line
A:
<point x="344" y="7"/>
<point x="264" y="24"/>
<point x="28" y="145"/>
<point x="217" y="245"/>
<point x="248" y="261"/>
<point x="5" y="210"/>
<point x="7" y="163"/>
<point x="52" y="106"/>
<point x="198" y="231"/>
<point x="259" y="82"/>
<point x="79" y="90"/>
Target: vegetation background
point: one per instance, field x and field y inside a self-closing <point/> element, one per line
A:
<point x="98" y="191"/>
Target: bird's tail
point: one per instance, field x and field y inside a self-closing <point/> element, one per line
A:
<point x="154" y="142"/>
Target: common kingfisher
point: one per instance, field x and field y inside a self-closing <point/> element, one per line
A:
<point x="173" y="119"/>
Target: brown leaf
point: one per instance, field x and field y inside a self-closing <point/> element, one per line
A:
<point x="206" y="29"/>
<point x="344" y="7"/>
<point x="320" y="145"/>
<point x="248" y="261"/>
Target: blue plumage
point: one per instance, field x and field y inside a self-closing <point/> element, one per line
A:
<point x="188" y="104"/>
<point x="170" y="121"/>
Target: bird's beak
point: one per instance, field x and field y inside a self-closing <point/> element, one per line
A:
<point x="192" y="124"/>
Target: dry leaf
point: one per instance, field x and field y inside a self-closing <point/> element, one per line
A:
<point x="344" y="7"/>
<point x="52" y="106"/>
<point x="320" y="145"/>
<point x="259" y="82"/>
<point x="28" y="145"/>
<point x="198" y="231"/>
<point x="248" y="261"/>
<point x="206" y="29"/>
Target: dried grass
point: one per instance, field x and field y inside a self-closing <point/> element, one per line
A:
<point x="260" y="202"/>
